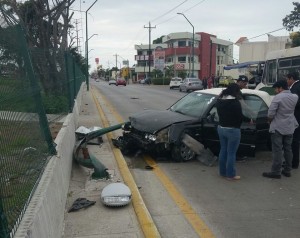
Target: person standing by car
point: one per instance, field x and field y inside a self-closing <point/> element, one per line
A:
<point x="282" y="126"/>
<point x="204" y="83"/>
<point x="294" y="86"/>
<point x="230" y="117"/>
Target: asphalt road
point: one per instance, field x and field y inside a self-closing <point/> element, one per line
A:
<point x="252" y="207"/>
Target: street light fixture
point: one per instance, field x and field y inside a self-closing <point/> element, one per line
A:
<point x="193" y="46"/>
<point x="87" y="45"/>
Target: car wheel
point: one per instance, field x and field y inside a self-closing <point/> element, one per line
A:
<point x="182" y="153"/>
<point x="180" y="89"/>
<point x="171" y="88"/>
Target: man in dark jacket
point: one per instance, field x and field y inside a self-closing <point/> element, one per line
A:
<point x="294" y="86"/>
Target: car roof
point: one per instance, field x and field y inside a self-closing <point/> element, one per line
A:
<point x="263" y="95"/>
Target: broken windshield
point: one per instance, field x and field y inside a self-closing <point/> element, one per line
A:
<point x="193" y="104"/>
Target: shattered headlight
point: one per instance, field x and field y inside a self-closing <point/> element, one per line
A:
<point x="150" y="137"/>
<point x="126" y="126"/>
<point x="163" y="135"/>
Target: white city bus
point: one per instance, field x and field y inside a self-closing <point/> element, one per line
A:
<point x="279" y="63"/>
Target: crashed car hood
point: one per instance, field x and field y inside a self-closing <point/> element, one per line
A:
<point x="154" y="120"/>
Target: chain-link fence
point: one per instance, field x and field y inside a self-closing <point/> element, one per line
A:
<point x="37" y="89"/>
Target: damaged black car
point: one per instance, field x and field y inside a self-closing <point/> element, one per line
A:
<point x="191" y="123"/>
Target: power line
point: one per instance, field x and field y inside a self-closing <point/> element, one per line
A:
<point x="168" y="11"/>
<point x="182" y="12"/>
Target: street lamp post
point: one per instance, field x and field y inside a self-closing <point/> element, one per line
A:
<point x="193" y="43"/>
<point x="87" y="45"/>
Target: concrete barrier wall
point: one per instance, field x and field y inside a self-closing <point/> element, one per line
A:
<point x="44" y="217"/>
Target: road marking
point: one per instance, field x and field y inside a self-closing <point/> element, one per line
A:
<point x="143" y="215"/>
<point x="193" y="218"/>
<point x="198" y="224"/>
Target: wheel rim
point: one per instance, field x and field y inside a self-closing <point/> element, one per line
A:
<point x="186" y="153"/>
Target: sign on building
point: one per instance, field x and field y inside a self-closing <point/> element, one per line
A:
<point x="159" y="58"/>
<point x="179" y="66"/>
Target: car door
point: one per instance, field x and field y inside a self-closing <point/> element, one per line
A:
<point x="254" y="128"/>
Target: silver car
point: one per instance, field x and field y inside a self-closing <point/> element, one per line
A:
<point x="190" y="84"/>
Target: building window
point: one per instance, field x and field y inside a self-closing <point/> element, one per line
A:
<point x="182" y="59"/>
<point x="181" y="43"/>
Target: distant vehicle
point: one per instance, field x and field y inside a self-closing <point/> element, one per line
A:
<point x="175" y="82"/>
<point x="190" y="84"/>
<point x="147" y="81"/>
<point x="120" y="81"/>
<point x="225" y="80"/>
<point x="112" y="81"/>
<point x="279" y="63"/>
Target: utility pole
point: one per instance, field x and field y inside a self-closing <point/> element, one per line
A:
<point x="116" y="63"/>
<point x="149" y="51"/>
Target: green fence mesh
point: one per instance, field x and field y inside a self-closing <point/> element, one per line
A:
<point x="37" y="90"/>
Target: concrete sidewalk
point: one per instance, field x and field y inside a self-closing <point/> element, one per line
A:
<point x="97" y="220"/>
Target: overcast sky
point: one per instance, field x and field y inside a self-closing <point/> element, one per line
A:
<point x="120" y="23"/>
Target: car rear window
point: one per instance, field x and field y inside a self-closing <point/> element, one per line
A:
<point x="194" y="80"/>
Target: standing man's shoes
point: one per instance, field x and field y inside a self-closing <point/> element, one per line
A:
<point x="271" y="175"/>
<point x="286" y="174"/>
<point x="295" y="166"/>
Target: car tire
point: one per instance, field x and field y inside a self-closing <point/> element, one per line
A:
<point x="182" y="153"/>
<point x="171" y="88"/>
<point x="180" y="89"/>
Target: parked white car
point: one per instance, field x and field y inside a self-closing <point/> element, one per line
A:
<point x="175" y="82"/>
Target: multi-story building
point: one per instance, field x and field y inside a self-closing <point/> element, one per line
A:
<point x="257" y="51"/>
<point x="209" y="54"/>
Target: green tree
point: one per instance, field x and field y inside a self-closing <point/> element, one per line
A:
<point x="170" y="71"/>
<point x="291" y="21"/>
<point x="182" y="74"/>
<point x="157" y="73"/>
<point x="158" y="40"/>
<point x="46" y="26"/>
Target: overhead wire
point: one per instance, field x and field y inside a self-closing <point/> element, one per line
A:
<point x="182" y="12"/>
<point x="155" y="20"/>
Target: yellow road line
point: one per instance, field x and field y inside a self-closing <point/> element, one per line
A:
<point x="198" y="224"/>
<point x="193" y="218"/>
<point x="143" y="215"/>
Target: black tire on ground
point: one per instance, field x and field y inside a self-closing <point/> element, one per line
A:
<point x="182" y="153"/>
